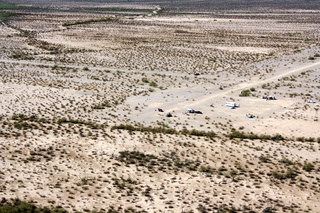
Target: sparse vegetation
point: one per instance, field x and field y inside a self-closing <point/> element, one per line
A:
<point x="252" y="136"/>
<point x="94" y="111"/>
<point x="107" y="19"/>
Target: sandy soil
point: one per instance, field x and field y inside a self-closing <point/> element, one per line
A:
<point x="81" y="129"/>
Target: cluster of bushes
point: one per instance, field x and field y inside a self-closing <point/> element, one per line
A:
<point x="102" y="105"/>
<point x="245" y="93"/>
<point x="200" y="133"/>
<point x="90" y="124"/>
<point x="289" y="174"/>
<point x="162" y="163"/>
<point x="32" y="118"/>
<point x="308" y="167"/>
<point x="4" y="16"/>
<point x="141" y="128"/>
<point x="87" y="21"/>
<point x="17" y="206"/>
<point x="165" y="130"/>
<point x="314" y="57"/>
<point x="21" y="55"/>
<point x="252" y="136"/>
<point x="23" y="121"/>
<point x="8" y="6"/>
<point x="135" y="157"/>
<point x="310" y="139"/>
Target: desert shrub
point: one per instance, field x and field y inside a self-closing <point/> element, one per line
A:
<point x="300" y="139"/>
<point x="277" y="137"/>
<point x="135" y="157"/>
<point x="8" y="6"/>
<point x="22" y="125"/>
<point x="87" y="21"/>
<point x="102" y="105"/>
<point x="311" y="58"/>
<point x="164" y="129"/>
<point x="153" y="84"/>
<point x="145" y="80"/>
<point x="17" y="206"/>
<point x="90" y="124"/>
<point x="286" y="161"/>
<point x="289" y="174"/>
<point x="308" y="167"/>
<point x="264" y="159"/>
<point x="206" y="169"/>
<point x="181" y="31"/>
<point x="245" y="93"/>
<point x="310" y="139"/>
<point x="202" y="133"/>
<point x="252" y="136"/>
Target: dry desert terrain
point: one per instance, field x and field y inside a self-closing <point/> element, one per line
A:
<point x="82" y="85"/>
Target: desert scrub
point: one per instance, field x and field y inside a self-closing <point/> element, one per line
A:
<point x="4" y="16"/>
<point x="153" y="84"/>
<point x="88" y="21"/>
<point x="245" y="93"/>
<point x="206" y="169"/>
<point x="102" y="105"/>
<point x="286" y="161"/>
<point x="90" y="124"/>
<point x="252" y="136"/>
<point x="165" y="130"/>
<point x="308" y="167"/>
<point x="289" y="174"/>
<point x="141" y="128"/>
<point x="22" y="121"/>
<point x="167" y="163"/>
<point x="21" y="206"/>
<point x="138" y="158"/>
<point x="21" y="55"/>
<point x="264" y="159"/>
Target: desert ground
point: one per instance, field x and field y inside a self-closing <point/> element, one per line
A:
<point x="82" y="85"/>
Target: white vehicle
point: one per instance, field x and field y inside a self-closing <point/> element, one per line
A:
<point x="231" y="104"/>
<point x="311" y="101"/>
<point x="190" y="111"/>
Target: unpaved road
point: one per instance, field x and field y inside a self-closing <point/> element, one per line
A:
<point x="236" y="89"/>
<point x="242" y="86"/>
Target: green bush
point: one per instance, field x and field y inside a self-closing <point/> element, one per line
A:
<point x="308" y="167"/>
<point x="286" y="161"/>
<point x="264" y="159"/>
<point x="206" y="169"/>
<point x="245" y="93"/>
<point x="87" y="21"/>
<point x="252" y="136"/>
<point x="17" y="206"/>
<point x="145" y="80"/>
<point x="164" y="129"/>
<point x="153" y="84"/>
<point x="289" y="174"/>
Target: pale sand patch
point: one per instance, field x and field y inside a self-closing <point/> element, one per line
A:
<point x="243" y="49"/>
